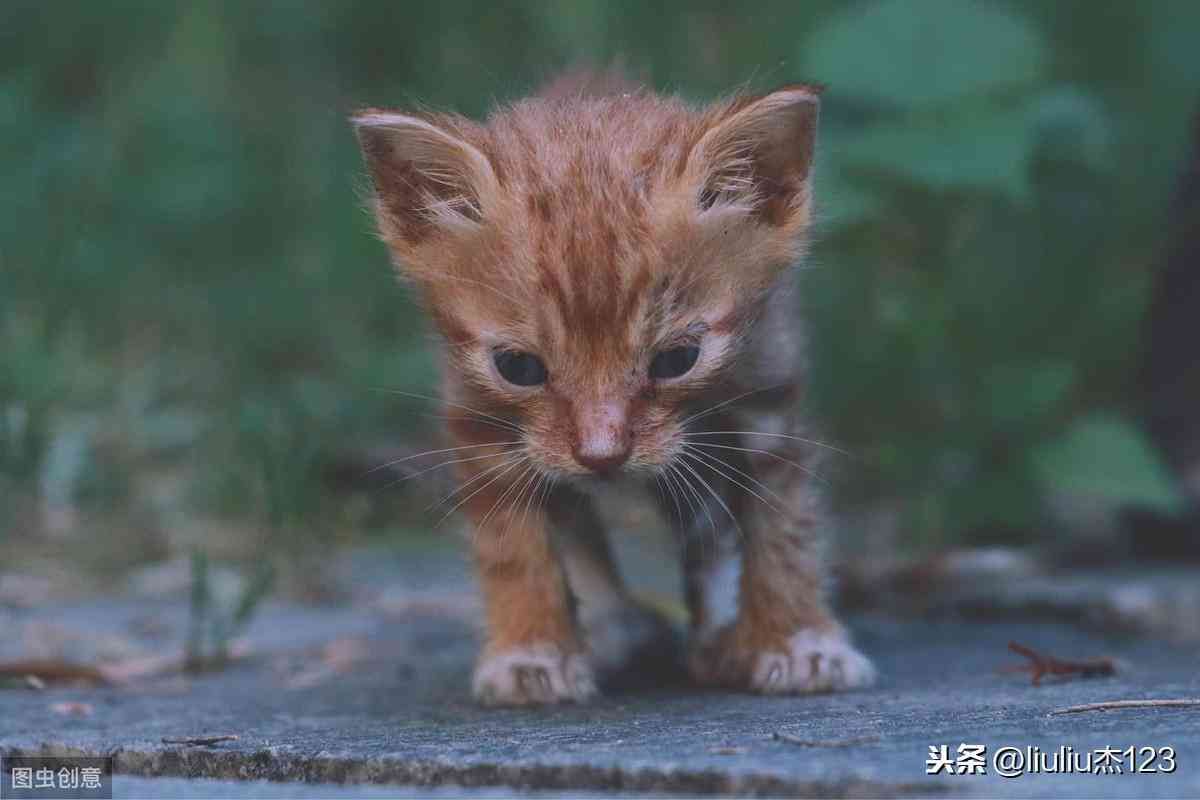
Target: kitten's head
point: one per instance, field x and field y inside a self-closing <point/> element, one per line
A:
<point x="595" y="263"/>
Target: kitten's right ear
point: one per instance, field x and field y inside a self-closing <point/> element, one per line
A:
<point x="758" y="152"/>
<point x="429" y="178"/>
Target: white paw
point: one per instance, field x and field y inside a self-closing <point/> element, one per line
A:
<point x="815" y="661"/>
<point x="536" y="675"/>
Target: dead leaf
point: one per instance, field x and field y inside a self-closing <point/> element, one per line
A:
<point x="72" y="709"/>
<point x="335" y="658"/>
<point x="52" y="671"/>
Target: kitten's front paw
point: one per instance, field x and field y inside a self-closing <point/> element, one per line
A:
<point x="809" y="661"/>
<point x="539" y="674"/>
<point x="813" y="661"/>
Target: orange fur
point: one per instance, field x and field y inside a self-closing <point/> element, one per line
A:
<point x="596" y="230"/>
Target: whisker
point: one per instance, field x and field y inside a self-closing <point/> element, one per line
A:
<point x="485" y="473"/>
<point x="677" y="496"/>
<point x="714" y="535"/>
<point x="541" y="479"/>
<point x="714" y="409"/>
<point x="467" y="484"/>
<point x="705" y="458"/>
<point x="430" y="399"/>
<point x="713" y="492"/>
<point x="396" y="461"/>
<point x="774" y="435"/>
<point x="541" y="485"/>
<point x="689" y="492"/>
<point x="808" y="471"/>
<point x="541" y="491"/>
<point x="524" y="480"/>
<point x="665" y="491"/>
<point x="507" y="491"/>
<point x="713" y="541"/>
<point x="473" y="420"/>
<point x="480" y="489"/>
<point x="400" y="480"/>
<point x="551" y="482"/>
<point x="658" y="486"/>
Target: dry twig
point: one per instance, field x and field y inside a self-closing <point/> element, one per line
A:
<point x="201" y="741"/>
<point x="1042" y="664"/>
<point x="1113" y="704"/>
<point x="780" y="736"/>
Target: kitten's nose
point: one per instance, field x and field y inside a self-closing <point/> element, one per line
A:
<point x="602" y="443"/>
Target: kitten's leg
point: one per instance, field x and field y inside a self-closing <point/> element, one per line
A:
<point x="784" y="638"/>
<point x="533" y="653"/>
<point x="705" y="516"/>
<point x="587" y="558"/>
<point x="712" y="566"/>
<point x="620" y="633"/>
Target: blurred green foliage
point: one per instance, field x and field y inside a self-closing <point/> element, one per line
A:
<point x="188" y="281"/>
<point x="213" y="625"/>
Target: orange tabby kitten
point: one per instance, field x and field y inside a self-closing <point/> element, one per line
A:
<point x="610" y="274"/>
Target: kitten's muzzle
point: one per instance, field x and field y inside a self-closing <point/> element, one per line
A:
<point x="604" y="461"/>
<point x="602" y="441"/>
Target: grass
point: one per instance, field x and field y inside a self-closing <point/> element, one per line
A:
<point x="196" y="317"/>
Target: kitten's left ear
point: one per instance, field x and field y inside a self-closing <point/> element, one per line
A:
<point x="758" y="152"/>
<point x="431" y="176"/>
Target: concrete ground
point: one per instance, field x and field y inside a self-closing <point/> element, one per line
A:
<point x="370" y="699"/>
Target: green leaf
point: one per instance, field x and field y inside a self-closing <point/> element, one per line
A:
<point x="255" y="590"/>
<point x="1106" y="457"/>
<point x="981" y="149"/>
<point x="902" y="54"/>
<point x="1071" y="125"/>
<point x="1017" y="396"/>
<point x="842" y="204"/>
<point x="198" y="610"/>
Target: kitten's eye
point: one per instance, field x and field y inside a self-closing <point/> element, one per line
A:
<point x="674" y="362"/>
<point x="521" y="369"/>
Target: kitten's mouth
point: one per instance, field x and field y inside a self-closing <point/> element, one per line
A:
<point x="605" y="474"/>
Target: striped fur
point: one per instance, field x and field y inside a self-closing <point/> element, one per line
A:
<point x="596" y="230"/>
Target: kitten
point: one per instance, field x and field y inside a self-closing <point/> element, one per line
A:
<point x="610" y="275"/>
